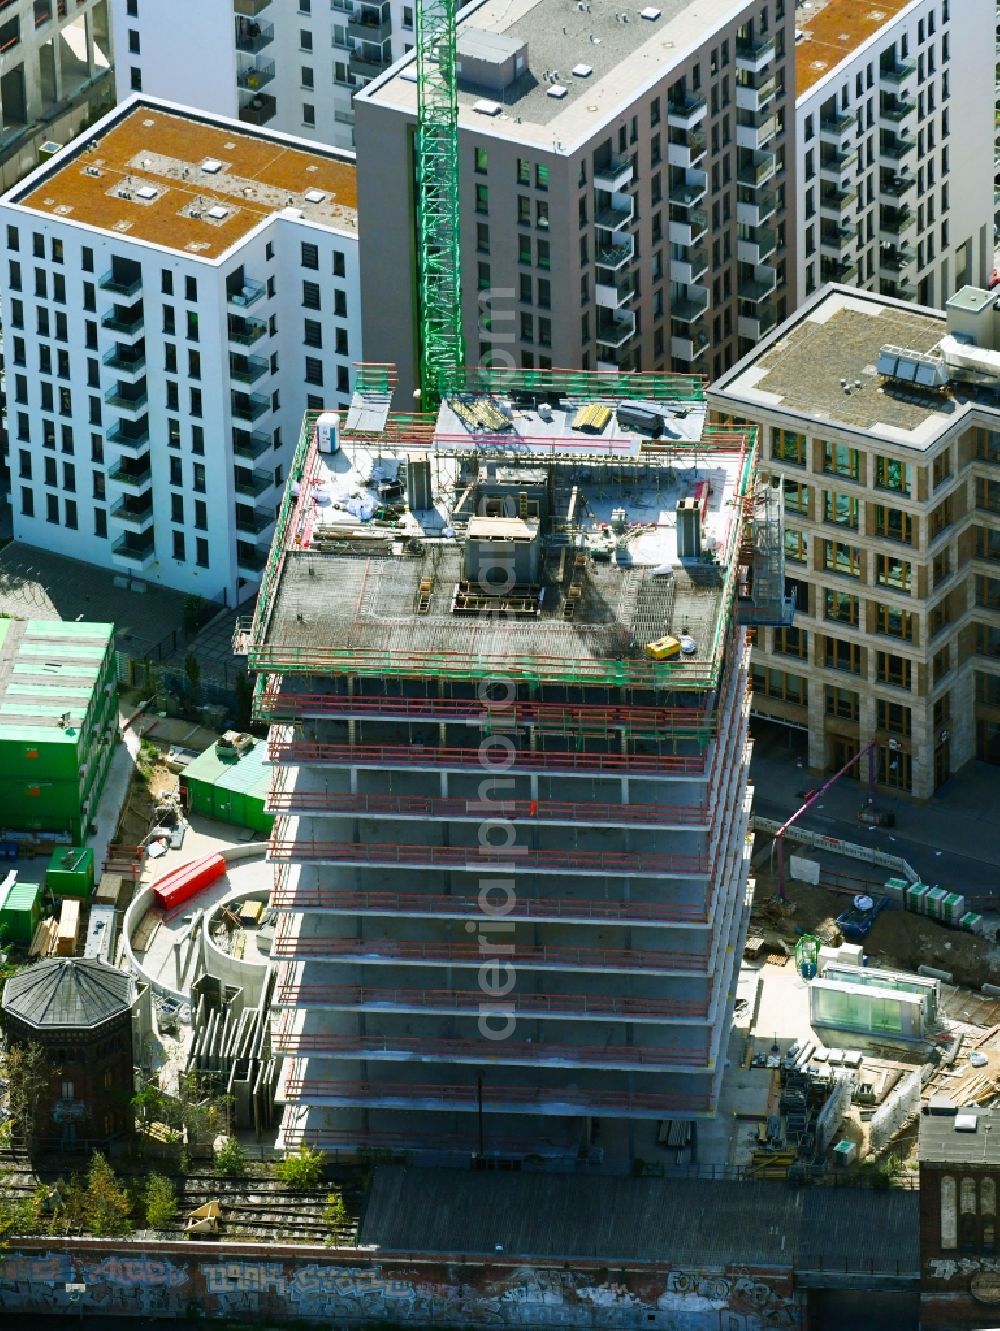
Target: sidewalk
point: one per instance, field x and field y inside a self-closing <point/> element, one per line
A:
<point x="952" y="840"/>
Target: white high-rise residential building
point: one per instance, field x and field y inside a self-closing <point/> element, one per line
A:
<point x="293" y="65"/>
<point x="55" y="75"/>
<point x="158" y="276"/>
<point x="894" y="136"/>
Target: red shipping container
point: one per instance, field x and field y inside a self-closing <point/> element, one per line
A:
<point x="176" y="887"/>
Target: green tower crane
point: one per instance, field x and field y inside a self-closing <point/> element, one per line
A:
<point x="441" y="347"/>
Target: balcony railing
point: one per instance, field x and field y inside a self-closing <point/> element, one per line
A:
<point x="133" y="515"/>
<point x="260" y="109"/>
<point x="252" y="37"/>
<point x="124" y="360"/>
<point x="129" y="436"/>
<point x="245" y="332"/>
<point x="138" y="550"/>
<point x="136" y="478"/>
<point x="247" y="369"/>
<point x="120" y="286"/>
<point x="255" y="520"/>
<point x="366" y="66"/>
<point x="246" y="295"/>
<point x="126" y="320"/>
<point x="613" y="176"/>
<point x="253" y="483"/>
<point x="121" y="398"/>
<point x="369" y="29"/>
<point x="683" y="112"/>
<point x="251" y="444"/>
<point x="255" y="76"/>
<point x="249" y="406"/>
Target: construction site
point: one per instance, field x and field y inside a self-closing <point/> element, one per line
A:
<point x="501" y="658"/>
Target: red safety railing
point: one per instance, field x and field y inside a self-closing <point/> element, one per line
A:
<point x="281" y="800"/>
<point x="479" y="858"/>
<point x="411" y="755"/>
<point x="357" y="997"/>
<point x="471" y="954"/>
<point x="279" y="704"/>
<point x="487" y="1051"/>
<point x="350" y="902"/>
<point x="349" y="1140"/>
<point x="494" y="1097"/>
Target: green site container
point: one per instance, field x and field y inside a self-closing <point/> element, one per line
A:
<point x="20" y="913"/>
<point x="71" y="872"/>
<point x="954" y="907"/>
<point x="230" y="792"/>
<point x="916" y="898"/>
<point x="935" y="900"/>
<point x="969" y="921"/>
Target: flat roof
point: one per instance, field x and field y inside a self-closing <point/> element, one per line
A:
<point x="355" y="594"/>
<point x="832" y="30"/>
<point x="188" y="182"/>
<point x="48" y="670"/>
<point x="801" y="368"/>
<point x="681" y="1222"/>
<point x="624" y="58"/>
<point x="941" y="1143"/>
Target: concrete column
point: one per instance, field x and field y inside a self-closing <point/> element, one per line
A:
<point x="88" y="27"/>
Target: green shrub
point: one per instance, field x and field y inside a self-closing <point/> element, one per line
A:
<point x="231" y="1158"/>
<point x="160" y="1201"/>
<point x="304" y="1170"/>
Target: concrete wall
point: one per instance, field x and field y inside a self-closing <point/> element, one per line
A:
<point x="349" y="1288"/>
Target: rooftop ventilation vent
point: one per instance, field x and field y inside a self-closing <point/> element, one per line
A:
<point x="487" y="108"/>
<point x="966" y="1122"/>
<point x="217" y="212"/>
<point x="211" y="166"/>
<point x="582" y="71"/>
<point x="314" y="196"/>
<point x="650" y="14"/>
<point x="147" y="193"/>
<point x="557" y="91"/>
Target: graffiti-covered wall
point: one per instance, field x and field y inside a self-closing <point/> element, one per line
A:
<point x="87" y="1276"/>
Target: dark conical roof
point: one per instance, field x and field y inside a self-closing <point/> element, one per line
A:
<point x="68" y="993"/>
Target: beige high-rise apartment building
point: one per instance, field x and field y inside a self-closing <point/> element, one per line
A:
<point x="623" y="183"/>
<point x="881" y="420"/>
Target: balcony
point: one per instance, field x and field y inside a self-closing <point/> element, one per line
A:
<point x="689" y="348"/>
<point x="893" y="259"/>
<point x="135" y="514"/>
<point x="617" y="256"/>
<point x="895" y="221"/>
<point x="259" y="110"/>
<point x="686" y="112"/>
<point x="760" y="286"/>
<point x="687" y="227"/>
<point x="369" y="29"/>
<point x="246" y="294"/>
<point x="613" y="176"/>
<point x="897" y="109"/>
<point x="134" y="551"/>
<point x="363" y="66"/>
<point x="251" y="560"/>
<point x="695" y="265"/>
<point x="248" y="406"/>
<point x="125" y="320"/>
<point x="131" y="439"/>
<point x="837" y="199"/>
<point x="691" y="191"/>
<point x="692" y="305"/>
<point x="245" y="332"/>
<point x="843" y="269"/>
<point x="752" y="212"/>
<point x="251" y="444"/>
<point x="252" y="483"/>
<point x="131" y="476"/>
<point x="895" y="187"/>
<point x="894" y="147"/>
<point x="255" y="76"/>
<point x="756" y="322"/>
<point x="897" y="74"/>
<point x="751" y="97"/>
<point x="129" y="399"/>
<point x="253" y="521"/>
<point x="247" y="369"/>
<point x="834" y="161"/>
<point x="616" y="330"/>
<point x="120" y="286"/>
<point x="754" y="53"/>
<point x="126" y="360"/>
<point x="837" y="125"/>
<point x="686" y="148"/>
<point x="615" y="216"/>
<point x="759" y="247"/>
<point x="252" y="37"/>
<point x="755" y="129"/>
<point x="758" y="170"/>
<point x="837" y="236"/>
<point x="611" y="296"/>
<point x="250" y="8"/>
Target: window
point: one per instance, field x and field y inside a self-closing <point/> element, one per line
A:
<point x="542" y="214"/>
<point x="840" y="460"/>
<point x="892" y="475"/>
<point x="176" y="472"/>
<point x="796" y="545"/>
<point x="839" y="557"/>
<point x="842" y="606"/>
<point x="891" y="669"/>
<point x="893" y="716"/>
<point x="892" y="573"/>
<point x="133" y="42"/>
<point x="198" y="440"/>
<point x="198" y="476"/>
<point x="305" y="39"/>
<point x="310" y="295"/>
<point x="52" y="509"/>
<point x="792" y="642"/>
<point x="201" y="552"/>
<point x="308" y="114"/>
<point x="781" y="685"/>
<point x="340" y="304"/>
<point x="541" y="176"/>
<point x="841" y="509"/>
<point x="101" y="523"/>
<point x="949" y="1213"/>
<point x="843" y="703"/>
<point x="787" y="446"/>
<point x="71" y="515"/>
<point x="310" y="256"/>
<point x="192" y="325"/>
<point x="13" y="238"/>
<point x="135" y="78"/>
<point x="176" y="508"/>
<point x="191" y="288"/>
<point x="842" y="655"/>
<point x="314" y="371"/>
<point x="27" y="504"/>
<point x="893" y="524"/>
<point x="307" y="77"/>
<point x="481" y="161"/>
<point x="312" y="334"/>
<point x="178" y="544"/>
<point x="407" y="16"/>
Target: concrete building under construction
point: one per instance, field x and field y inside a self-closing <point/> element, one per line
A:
<point x="502" y="656"/>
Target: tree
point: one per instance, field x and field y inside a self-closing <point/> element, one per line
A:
<point x="304" y="1170"/>
<point x="28" y="1069"/>
<point x="107" y="1208"/>
<point x="231" y="1159"/>
<point x="161" y="1202"/>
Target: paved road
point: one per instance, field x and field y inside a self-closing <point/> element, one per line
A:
<point x="952" y="840"/>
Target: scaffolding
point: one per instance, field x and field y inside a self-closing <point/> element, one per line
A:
<point x="762" y="600"/>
